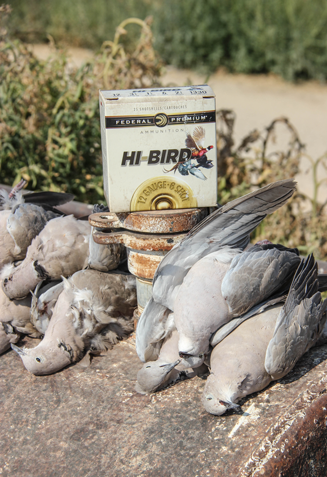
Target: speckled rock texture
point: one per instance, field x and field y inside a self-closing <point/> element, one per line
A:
<point x="90" y="422"/>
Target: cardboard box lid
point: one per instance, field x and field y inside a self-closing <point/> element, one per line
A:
<point x="157" y="94"/>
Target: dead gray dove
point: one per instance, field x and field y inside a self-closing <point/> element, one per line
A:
<point x="44" y="299"/>
<point x="92" y="313"/>
<point x="167" y="369"/>
<point x="224" y="285"/>
<point x="22" y="217"/>
<point x="14" y="320"/>
<point x="267" y="346"/>
<point x="16" y="316"/>
<point x="226" y="232"/>
<point x="105" y="257"/>
<point x="61" y="249"/>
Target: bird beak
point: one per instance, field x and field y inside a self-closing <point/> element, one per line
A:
<point x="170" y="366"/>
<point x="19" y="351"/>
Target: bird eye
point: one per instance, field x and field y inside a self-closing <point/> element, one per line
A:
<point x="148" y="366"/>
<point x="38" y="360"/>
<point x="200" y="356"/>
<point x="209" y="398"/>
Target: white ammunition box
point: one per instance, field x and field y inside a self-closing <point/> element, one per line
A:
<point x="159" y="148"/>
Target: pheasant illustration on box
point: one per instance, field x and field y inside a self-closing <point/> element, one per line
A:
<point x="156" y="145"/>
<point x="198" y="155"/>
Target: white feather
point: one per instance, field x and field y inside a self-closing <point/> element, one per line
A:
<point x="6" y="271"/>
<point x="7" y="203"/>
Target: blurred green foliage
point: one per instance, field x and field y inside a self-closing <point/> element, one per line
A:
<point x="49" y="113"/>
<point x="286" y="37"/>
<point x="76" y="23"/>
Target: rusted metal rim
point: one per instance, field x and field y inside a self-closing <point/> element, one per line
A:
<point x="154" y="222"/>
<point x="138" y="241"/>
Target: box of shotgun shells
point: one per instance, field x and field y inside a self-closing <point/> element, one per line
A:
<point x="159" y="148"/>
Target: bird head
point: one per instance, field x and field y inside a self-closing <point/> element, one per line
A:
<point x="48" y="359"/>
<point x="213" y="399"/>
<point x="154" y="374"/>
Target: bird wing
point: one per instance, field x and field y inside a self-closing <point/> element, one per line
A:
<point x="7" y="243"/>
<point x="44" y="299"/>
<point x="198" y="136"/>
<point x="299" y="323"/>
<point x="152" y="328"/>
<point x="104" y="257"/>
<point x="48" y="198"/>
<point x="255" y="275"/>
<point x="189" y="142"/>
<point x="197" y="173"/>
<point x="24" y="223"/>
<point x="228" y="226"/>
<point x="60" y="249"/>
<point x="226" y="329"/>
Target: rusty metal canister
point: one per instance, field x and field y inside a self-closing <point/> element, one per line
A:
<point x="148" y="236"/>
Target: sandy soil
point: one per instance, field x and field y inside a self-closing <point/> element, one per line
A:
<point x="257" y="100"/>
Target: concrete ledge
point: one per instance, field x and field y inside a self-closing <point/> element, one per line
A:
<point x="90" y="421"/>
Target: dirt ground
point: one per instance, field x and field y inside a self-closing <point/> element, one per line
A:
<point x="257" y="100"/>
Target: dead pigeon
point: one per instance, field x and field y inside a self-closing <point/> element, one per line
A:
<point x="60" y="249"/>
<point x="222" y="286"/>
<point x="267" y="346"/>
<point x="22" y="217"/>
<point x="18" y="318"/>
<point x="92" y="313"/>
<point x="227" y="232"/>
<point x="44" y="298"/>
<point x="105" y="257"/>
<point x="14" y="320"/>
<point x="167" y="369"/>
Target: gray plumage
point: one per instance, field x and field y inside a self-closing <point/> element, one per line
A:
<point x="92" y="313"/>
<point x="150" y="335"/>
<point x="44" y="299"/>
<point x="226" y="232"/>
<point x="18" y="316"/>
<point x="24" y="223"/>
<point x="219" y="288"/>
<point x="105" y="257"/>
<point x="7" y="244"/>
<point x="230" y="226"/>
<point x="21" y="220"/>
<point x="256" y="274"/>
<point x="267" y="346"/>
<point x="300" y="323"/>
<point x="60" y="249"/>
<point x="14" y="320"/>
<point x="167" y="369"/>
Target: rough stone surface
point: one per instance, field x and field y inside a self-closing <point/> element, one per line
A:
<point x="90" y="422"/>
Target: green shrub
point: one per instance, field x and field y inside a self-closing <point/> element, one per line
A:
<point x="49" y="119"/>
<point x="77" y="22"/>
<point x="250" y="165"/>
<point x="286" y="37"/>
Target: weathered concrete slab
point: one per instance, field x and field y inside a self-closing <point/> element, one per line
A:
<point x="90" y="422"/>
